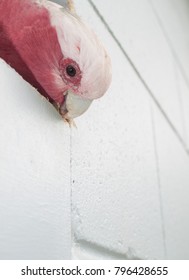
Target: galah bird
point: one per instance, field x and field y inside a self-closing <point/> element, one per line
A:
<point x="53" y="50"/>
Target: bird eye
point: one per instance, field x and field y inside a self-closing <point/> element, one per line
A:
<point x="71" y="71"/>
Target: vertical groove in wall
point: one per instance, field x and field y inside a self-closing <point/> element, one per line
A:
<point x="159" y="180"/>
<point x="71" y="190"/>
<point x="139" y="76"/>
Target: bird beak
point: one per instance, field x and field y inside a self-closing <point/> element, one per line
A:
<point x="73" y="106"/>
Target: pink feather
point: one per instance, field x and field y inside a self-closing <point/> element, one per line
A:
<point x="40" y="39"/>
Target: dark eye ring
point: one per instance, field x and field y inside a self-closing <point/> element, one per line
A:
<point x="71" y="71"/>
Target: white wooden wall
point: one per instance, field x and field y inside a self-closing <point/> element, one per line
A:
<point x="118" y="186"/>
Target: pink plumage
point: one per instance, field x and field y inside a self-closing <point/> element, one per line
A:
<point x="55" y="52"/>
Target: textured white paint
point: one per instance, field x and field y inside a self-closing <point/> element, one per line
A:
<point x="174" y="180"/>
<point x="34" y="174"/>
<point x="115" y="190"/>
<point x="137" y="29"/>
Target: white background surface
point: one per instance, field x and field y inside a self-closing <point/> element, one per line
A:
<point x="118" y="186"/>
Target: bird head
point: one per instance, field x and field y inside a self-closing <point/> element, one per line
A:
<point x="56" y="52"/>
<point x="85" y="67"/>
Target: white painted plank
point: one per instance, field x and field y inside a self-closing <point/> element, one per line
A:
<point x="174" y="28"/>
<point x="173" y="16"/>
<point x="34" y="174"/>
<point x="116" y="208"/>
<point x="174" y="180"/>
<point x="137" y="29"/>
